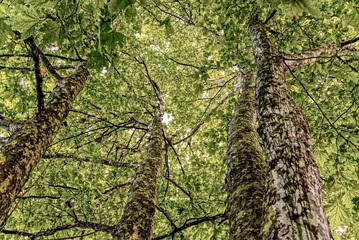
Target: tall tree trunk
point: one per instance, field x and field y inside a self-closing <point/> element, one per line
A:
<point x="295" y="192"/>
<point x="247" y="168"/>
<point x="28" y="143"/>
<point x="137" y="218"/>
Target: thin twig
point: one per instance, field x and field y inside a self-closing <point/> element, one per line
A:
<point x="320" y="109"/>
<point x="193" y="222"/>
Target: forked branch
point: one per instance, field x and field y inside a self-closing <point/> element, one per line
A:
<point x="295" y="61"/>
<point x="35" y="50"/>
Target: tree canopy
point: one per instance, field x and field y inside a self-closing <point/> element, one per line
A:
<point x="187" y="59"/>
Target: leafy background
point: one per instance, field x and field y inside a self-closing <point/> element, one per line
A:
<point x="191" y="49"/>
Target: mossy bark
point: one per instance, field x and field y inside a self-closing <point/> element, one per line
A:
<point x="295" y="190"/>
<point x="137" y="218"/>
<point x="247" y="168"/>
<point x="28" y="143"/>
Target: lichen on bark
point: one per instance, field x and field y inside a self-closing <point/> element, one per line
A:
<point x="295" y="190"/>
<point x="137" y="218"/>
<point x="28" y="143"/>
<point x="247" y="168"/>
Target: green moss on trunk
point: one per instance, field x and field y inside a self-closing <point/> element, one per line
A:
<point x="136" y="221"/>
<point x="295" y="191"/>
<point x="247" y="168"/>
<point x="29" y="142"/>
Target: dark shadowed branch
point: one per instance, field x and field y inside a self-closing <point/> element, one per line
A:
<point x="84" y="159"/>
<point x="321" y="110"/>
<point x="51" y="231"/>
<point x="34" y="49"/>
<point x="192" y="222"/>
<point x="40" y="94"/>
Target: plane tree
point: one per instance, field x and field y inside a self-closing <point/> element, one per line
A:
<point x="208" y="69"/>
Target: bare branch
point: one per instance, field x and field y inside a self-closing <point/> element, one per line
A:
<point x="154" y="85"/>
<point x="22" y="69"/>
<point x="188" y="21"/>
<point x="84" y="159"/>
<point x="39" y="80"/>
<point x="166" y="214"/>
<point x="347" y="63"/>
<point x="183" y="64"/>
<point x="77" y="224"/>
<point x="117" y="187"/>
<point x="37" y="197"/>
<point x="295" y="61"/>
<point x="7" y="55"/>
<point x="351" y="41"/>
<point x="179" y="187"/>
<point x="270" y="17"/>
<point x="201" y="122"/>
<point x="321" y="111"/>
<point x="31" y="43"/>
<point x="191" y="223"/>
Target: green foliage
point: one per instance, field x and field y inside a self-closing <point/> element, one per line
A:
<point x="296" y="7"/>
<point x="115" y="6"/>
<point x="352" y="18"/>
<point x="191" y="51"/>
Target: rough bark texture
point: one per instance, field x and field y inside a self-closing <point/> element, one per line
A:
<point x="137" y="218"/>
<point x="247" y="168"/>
<point x="28" y="143"/>
<point x="295" y="191"/>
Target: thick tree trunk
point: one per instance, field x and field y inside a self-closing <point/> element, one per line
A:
<point x="28" y="143"/>
<point x="247" y="168"/>
<point x="137" y="218"/>
<point x="295" y="191"/>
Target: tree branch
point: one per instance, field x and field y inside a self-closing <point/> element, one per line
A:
<point x="40" y="94"/>
<point x="166" y="214"/>
<point x="351" y="41"/>
<point x="270" y="17"/>
<point x="117" y="187"/>
<point x="321" y="111"/>
<point x="30" y="42"/>
<point x="51" y="231"/>
<point x="193" y="222"/>
<point x="84" y="159"/>
<point x="188" y="194"/>
<point x="295" y="61"/>
<point x="23" y="69"/>
<point x="37" y="197"/>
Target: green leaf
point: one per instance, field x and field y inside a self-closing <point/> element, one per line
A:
<point x="130" y="13"/>
<point x="24" y="21"/>
<point x="356" y="230"/>
<point x="198" y="88"/>
<point x="51" y="30"/>
<point x="112" y="39"/>
<point x="115" y="6"/>
<point x="169" y="29"/>
<point x="296" y="7"/>
<point x="142" y="2"/>
<point x="338" y="215"/>
<point x="5" y="30"/>
<point x="96" y="59"/>
<point x="352" y="19"/>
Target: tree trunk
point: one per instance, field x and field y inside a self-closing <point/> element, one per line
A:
<point x="247" y="168"/>
<point x="137" y="218"/>
<point x="28" y="143"/>
<point x="295" y="191"/>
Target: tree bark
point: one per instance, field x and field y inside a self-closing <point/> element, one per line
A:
<point x="26" y="146"/>
<point x="247" y="168"/>
<point x="137" y="218"/>
<point x="295" y="191"/>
